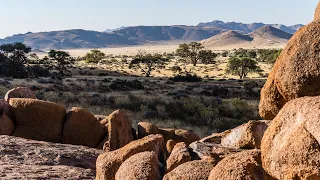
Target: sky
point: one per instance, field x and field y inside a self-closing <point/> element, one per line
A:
<point x="21" y="16"/>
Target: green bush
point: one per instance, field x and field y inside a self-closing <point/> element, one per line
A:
<point x="186" y="78"/>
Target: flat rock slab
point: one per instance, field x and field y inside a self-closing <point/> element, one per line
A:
<point x="28" y="159"/>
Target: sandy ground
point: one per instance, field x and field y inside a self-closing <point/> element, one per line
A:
<point x="204" y="70"/>
<point x="162" y="48"/>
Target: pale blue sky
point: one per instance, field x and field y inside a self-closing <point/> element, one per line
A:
<point x="20" y="16"/>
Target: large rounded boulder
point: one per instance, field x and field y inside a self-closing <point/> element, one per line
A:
<point x="19" y="92"/>
<point x="6" y="124"/>
<point x="246" y="136"/>
<point x="146" y="129"/>
<point x="180" y="154"/>
<point x="199" y="170"/>
<point x="119" y="130"/>
<point x="244" y="165"/>
<point x="141" y="166"/>
<point x="296" y="72"/>
<point x="290" y="146"/>
<point x="82" y="128"/>
<point x="108" y="163"/>
<point x="37" y="120"/>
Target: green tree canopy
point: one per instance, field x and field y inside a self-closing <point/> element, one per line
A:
<point x="242" y="66"/>
<point x="268" y="55"/>
<point x="194" y="52"/>
<point x="62" y="62"/>
<point x="148" y="62"/>
<point x="94" y="56"/>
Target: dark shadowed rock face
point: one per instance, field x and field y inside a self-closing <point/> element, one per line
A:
<point x="28" y="159"/>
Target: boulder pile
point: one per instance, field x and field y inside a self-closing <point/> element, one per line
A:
<point x="285" y="148"/>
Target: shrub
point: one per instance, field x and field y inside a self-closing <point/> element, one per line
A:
<point x="249" y="85"/>
<point x="186" y="78"/>
<point x="125" y="85"/>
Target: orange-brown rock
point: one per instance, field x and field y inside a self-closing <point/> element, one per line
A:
<point x="37" y="120"/>
<point x="246" y="136"/>
<point x="179" y="155"/>
<point x="215" y="137"/>
<point x="185" y="136"/>
<point x="108" y="163"/>
<point x="199" y="170"/>
<point x="245" y="165"/>
<point x="215" y="152"/>
<point x="146" y="129"/>
<point x="141" y="166"/>
<point x="296" y="72"/>
<point x="119" y="130"/>
<point x="82" y="128"/>
<point x="170" y="145"/>
<point x="5" y="108"/>
<point x="290" y="146"/>
<point x="317" y="13"/>
<point x="6" y="125"/>
<point x="167" y="133"/>
<point x="19" y="92"/>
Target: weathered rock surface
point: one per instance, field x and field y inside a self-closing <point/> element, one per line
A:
<point x="213" y="151"/>
<point x="119" y="130"/>
<point x="197" y="170"/>
<point x="240" y="166"/>
<point x="178" y="135"/>
<point x="146" y="129"/>
<point x="290" y="147"/>
<point x="5" y="108"/>
<point x="82" y="128"/>
<point x="246" y="136"/>
<point x="185" y="136"/>
<point x="37" y="120"/>
<point x="215" y="137"/>
<point x="179" y="155"/>
<point x="29" y="159"/>
<point x="170" y="145"/>
<point x="296" y="72"/>
<point x="141" y="166"/>
<point x="6" y="125"/>
<point x="317" y="13"/>
<point x="19" y="92"/>
<point x="108" y="163"/>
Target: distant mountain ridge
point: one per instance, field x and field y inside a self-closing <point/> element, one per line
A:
<point x="135" y="35"/>
<point x="266" y="36"/>
<point x="248" y="28"/>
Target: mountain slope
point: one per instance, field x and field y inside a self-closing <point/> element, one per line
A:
<point x="270" y="33"/>
<point x="166" y="33"/>
<point x="141" y="35"/>
<point x="226" y="39"/>
<point x="264" y="37"/>
<point x="248" y="28"/>
<point x="69" y="39"/>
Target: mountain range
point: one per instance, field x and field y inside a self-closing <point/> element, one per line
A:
<point x="266" y="36"/>
<point x="140" y="35"/>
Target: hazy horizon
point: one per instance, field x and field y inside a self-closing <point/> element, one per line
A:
<point x="99" y="15"/>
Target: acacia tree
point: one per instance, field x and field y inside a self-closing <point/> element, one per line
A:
<point x="194" y="52"/>
<point x="62" y="62"/>
<point x="14" y="60"/>
<point x="242" y="66"/>
<point x="148" y="62"/>
<point x="94" y="56"/>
